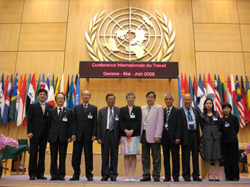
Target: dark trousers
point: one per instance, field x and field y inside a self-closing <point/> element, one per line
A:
<point x="36" y="167"/>
<point x="231" y="160"/>
<point x="56" y="172"/>
<point x="167" y="146"/>
<point x="156" y="155"/>
<point x="77" y="155"/>
<point x="109" y="156"/>
<point x="193" y="146"/>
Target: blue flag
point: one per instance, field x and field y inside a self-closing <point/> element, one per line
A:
<point x="179" y="92"/>
<point x="13" y="99"/>
<point x="1" y="98"/>
<point x="77" y="98"/>
<point x="70" y="103"/>
<point x="7" y="102"/>
<point x="37" y="88"/>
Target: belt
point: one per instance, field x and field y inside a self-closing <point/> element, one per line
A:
<point x="107" y="130"/>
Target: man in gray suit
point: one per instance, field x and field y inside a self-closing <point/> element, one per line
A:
<point x="108" y="136"/>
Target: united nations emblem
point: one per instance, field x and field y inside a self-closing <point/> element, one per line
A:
<point x="130" y="34"/>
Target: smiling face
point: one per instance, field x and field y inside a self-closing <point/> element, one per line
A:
<point x="208" y="105"/>
<point x="111" y="101"/>
<point x="86" y="95"/>
<point x="187" y="100"/>
<point x="60" y="100"/>
<point x="42" y="96"/>
<point x="150" y="99"/>
<point x="130" y="100"/>
<point x="169" y="100"/>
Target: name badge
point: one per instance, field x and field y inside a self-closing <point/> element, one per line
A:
<point x="215" y="118"/>
<point x="166" y="125"/>
<point x="47" y="113"/>
<point x="65" y="119"/>
<point x="191" y="125"/>
<point x="116" y="118"/>
<point x="132" y="116"/>
<point x="90" y="116"/>
<point x="227" y="125"/>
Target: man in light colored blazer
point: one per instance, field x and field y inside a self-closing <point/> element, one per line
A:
<point x="151" y="133"/>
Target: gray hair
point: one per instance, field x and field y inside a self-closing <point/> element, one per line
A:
<point x="130" y="94"/>
<point x="169" y="94"/>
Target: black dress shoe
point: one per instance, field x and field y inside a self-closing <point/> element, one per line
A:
<point x="167" y="179"/>
<point x="104" y="179"/>
<point x="145" y="179"/>
<point x="32" y="177"/>
<point x="53" y="179"/>
<point x="74" y="179"/>
<point x="61" y="179"/>
<point x="90" y="179"/>
<point x="156" y="179"/>
<point x="187" y="179"/>
<point x="197" y="179"/>
<point x="235" y="179"/>
<point x="176" y="180"/>
<point x="42" y="178"/>
<point x="112" y="178"/>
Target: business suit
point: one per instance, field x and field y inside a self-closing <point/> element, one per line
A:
<point x="190" y="142"/>
<point x="59" y="133"/>
<point x="230" y="146"/>
<point x="210" y="126"/>
<point x="153" y="129"/>
<point x="84" y="127"/>
<point x="171" y="132"/>
<point x="37" y="123"/>
<point x="109" y="142"/>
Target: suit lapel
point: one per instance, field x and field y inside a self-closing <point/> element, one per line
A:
<point x="88" y="109"/>
<point x="151" y="112"/>
<point x="56" y="114"/>
<point x="183" y="114"/>
<point x="40" y="107"/>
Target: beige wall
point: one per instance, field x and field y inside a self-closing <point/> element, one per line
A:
<point x="212" y="36"/>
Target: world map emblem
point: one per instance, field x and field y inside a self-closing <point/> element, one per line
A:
<point x="130" y="34"/>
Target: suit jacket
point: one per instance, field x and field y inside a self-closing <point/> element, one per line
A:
<point x="102" y="124"/>
<point x="130" y="123"/>
<point x="173" y="125"/>
<point x="210" y="129"/>
<point x="229" y="134"/>
<point x="58" y="127"/>
<point x="37" y="122"/>
<point x="154" y="122"/>
<point x="185" y="132"/>
<point x="82" y="124"/>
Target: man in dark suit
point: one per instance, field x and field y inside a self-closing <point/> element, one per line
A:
<point x="60" y="119"/>
<point x="84" y="133"/>
<point x="37" y="129"/>
<point x="108" y="136"/>
<point x="190" y="120"/>
<point x="171" y="138"/>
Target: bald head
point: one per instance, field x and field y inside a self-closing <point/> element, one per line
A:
<point x="86" y="95"/>
<point x="187" y="100"/>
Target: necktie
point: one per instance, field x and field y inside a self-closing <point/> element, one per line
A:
<point x="60" y="111"/>
<point x="85" y="108"/>
<point x="146" y="117"/>
<point x="129" y="110"/>
<point x="167" y="115"/>
<point x="190" y="118"/>
<point x="43" y="108"/>
<point x="111" y="120"/>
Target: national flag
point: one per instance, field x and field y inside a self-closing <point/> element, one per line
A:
<point x="6" y="87"/>
<point x="27" y="89"/>
<point x="201" y="95"/>
<point x="42" y="83"/>
<point x="7" y="101"/>
<point x="13" y="99"/>
<point x="190" y="90"/>
<point x="30" y="99"/>
<point x="77" y="92"/>
<point x="248" y="100"/>
<point x="62" y="84"/>
<point x="210" y="89"/>
<point x="21" y="102"/>
<point x="217" y="97"/>
<point x="24" y="93"/>
<point x="204" y="84"/>
<point x="51" y="98"/>
<point x="179" y="92"/>
<point x="220" y="89"/>
<point x="224" y="92"/>
<point x="19" y="91"/>
<point x="47" y="84"/>
<point x="234" y="99"/>
<point x="195" y="92"/>
<point x="2" y="101"/>
<point x="66" y="93"/>
<point x="70" y="103"/>
<point x="37" y="88"/>
<point x="240" y="103"/>
<point x="57" y="87"/>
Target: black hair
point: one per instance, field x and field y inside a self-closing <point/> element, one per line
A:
<point x="108" y="95"/>
<point x="42" y="90"/>
<point x="151" y="92"/>
<point x="61" y="94"/>
<point x="226" y="105"/>
<point x="204" y="108"/>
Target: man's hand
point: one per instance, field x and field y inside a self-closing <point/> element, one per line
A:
<point x="99" y="141"/>
<point x="73" y="138"/>
<point x="93" y="138"/>
<point x="157" y="140"/>
<point x="30" y="135"/>
<point x="69" y="140"/>
<point x="177" y="141"/>
<point x="131" y="132"/>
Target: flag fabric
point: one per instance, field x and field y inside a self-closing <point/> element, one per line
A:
<point x="247" y="100"/>
<point x="42" y="83"/>
<point x="37" y="88"/>
<point x="19" y="91"/>
<point x="62" y="84"/>
<point x="195" y="92"/>
<point x="190" y="90"/>
<point x="229" y="92"/>
<point x="1" y="98"/>
<point x="51" y="99"/>
<point x="30" y="99"/>
<point x="179" y="92"/>
<point x="21" y="102"/>
<point x="234" y="99"/>
<point x="210" y="89"/>
<point x="47" y="84"/>
<point x="23" y="96"/>
<point x="70" y="103"/>
<point x="240" y="103"/>
<point x="201" y="95"/>
<point x="7" y="101"/>
<point x="223" y="90"/>
<point x="27" y="89"/>
<point x="57" y="87"/>
<point x="66" y="93"/>
<point x="204" y="84"/>
<point x="220" y="89"/>
<point x="77" y="92"/>
<point x="217" y="96"/>
<point x="13" y="99"/>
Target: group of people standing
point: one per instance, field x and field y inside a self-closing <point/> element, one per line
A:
<point x="150" y="125"/>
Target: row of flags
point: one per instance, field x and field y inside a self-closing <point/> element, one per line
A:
<point x="16" y="97"/>
<point x="235" y="94"/>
